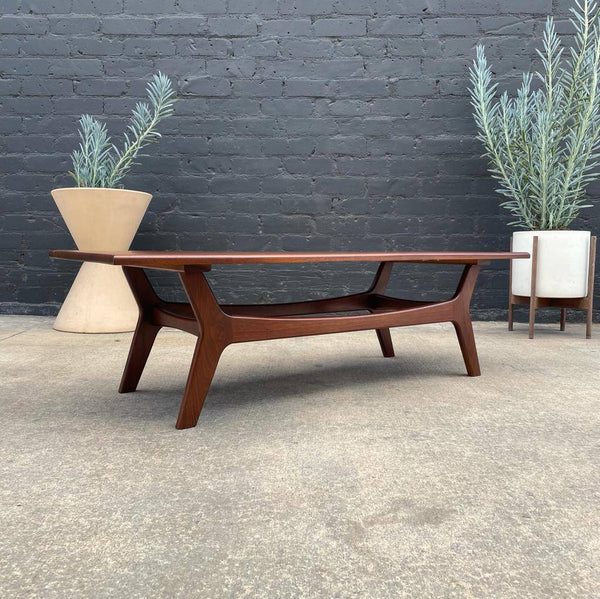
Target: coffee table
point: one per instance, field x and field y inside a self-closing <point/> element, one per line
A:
<point x="217" y="325"/>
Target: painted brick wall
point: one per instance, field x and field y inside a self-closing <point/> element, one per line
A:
<point x="302" y="125"/>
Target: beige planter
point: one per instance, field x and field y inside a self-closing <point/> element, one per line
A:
<point x="99" y="219"/>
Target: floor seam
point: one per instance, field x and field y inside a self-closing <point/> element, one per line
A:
<point x="13" y="335"/>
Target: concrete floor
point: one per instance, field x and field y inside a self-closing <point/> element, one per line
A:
<point x="318" y="468"/>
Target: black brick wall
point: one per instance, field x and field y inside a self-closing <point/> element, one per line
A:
<point x="302" y="125"/>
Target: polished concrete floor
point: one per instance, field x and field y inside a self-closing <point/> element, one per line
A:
<point x="318" y="468"/>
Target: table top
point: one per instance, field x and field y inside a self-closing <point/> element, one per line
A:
<point x="180" y="259"/>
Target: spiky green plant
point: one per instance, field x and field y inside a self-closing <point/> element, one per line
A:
<point x="100" y="163"/>
<point x="543" y="145"/>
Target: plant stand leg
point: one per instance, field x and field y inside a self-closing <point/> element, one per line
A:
<point x="531" y="317"/>
<point x="510" y="294"/>
<point x="590" y="295"/>
<point x="532" y="296"/>
<point x="588" y="323"/>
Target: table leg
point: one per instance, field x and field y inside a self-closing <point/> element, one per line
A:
<point x="202" y="370"/>
<point x="379" y="285"/>
<point x="143" y="340"/>
<point x="466" y="340"/>
<point x="145" y="332"/>
<point x="214" y="338"/>
<point x="385" y="342"/>
<point x="462" y="319"/>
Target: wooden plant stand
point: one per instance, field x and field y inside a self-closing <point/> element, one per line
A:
<point x="217" y="325"/>
<point x="534" y="302"/>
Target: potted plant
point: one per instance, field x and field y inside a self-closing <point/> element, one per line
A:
<point x="102" y="216"/>
<point x="542" y="146"/>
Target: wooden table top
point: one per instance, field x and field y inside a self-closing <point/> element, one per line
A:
<point x="178" y="260"/>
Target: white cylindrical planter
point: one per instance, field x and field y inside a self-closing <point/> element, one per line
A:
<point x="100" y="219"/>
<point x="562" y="263"/>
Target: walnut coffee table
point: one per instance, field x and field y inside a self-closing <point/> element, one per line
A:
<point x="217" y="325"/>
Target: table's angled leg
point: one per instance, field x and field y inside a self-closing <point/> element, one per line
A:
<point x="379" y="286"/>
<point x="145" y="331"/>
<point x="214" y="337"/>
<point x="385" y="341"/>
<point x="462" y="319"/>
<point x="466" y="339"/>
<point x="204" y="364"/>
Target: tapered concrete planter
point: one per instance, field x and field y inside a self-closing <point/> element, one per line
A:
<point x="562" y="266"/>
<point x="100" y="300"/>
